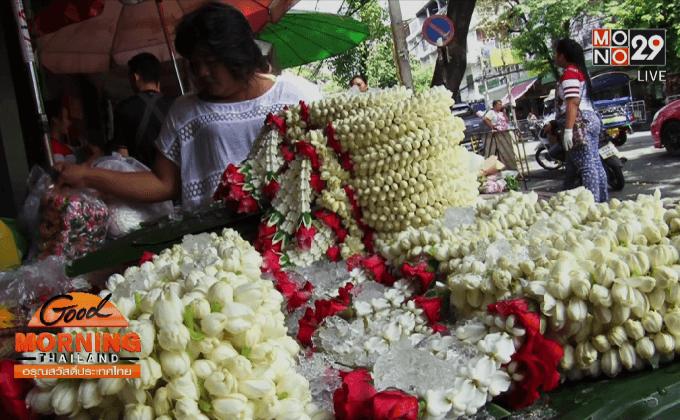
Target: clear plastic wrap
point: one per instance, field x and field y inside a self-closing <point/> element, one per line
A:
<point x="72" y="223"/>
<point x="23" y="290"/>
<point x="124" y="217"/>
<point x="38" y="184"/>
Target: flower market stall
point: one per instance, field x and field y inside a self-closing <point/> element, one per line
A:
<point x="381" y="286"/>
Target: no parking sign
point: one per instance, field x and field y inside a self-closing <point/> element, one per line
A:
<point x="438" y="30"/>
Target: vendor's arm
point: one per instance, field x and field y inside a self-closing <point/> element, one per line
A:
<point x="572" y="111"/>
<point x="149" y="187"/>
<point x="487" y="121"/>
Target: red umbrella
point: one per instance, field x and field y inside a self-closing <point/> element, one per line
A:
<point x="119" y="32"/>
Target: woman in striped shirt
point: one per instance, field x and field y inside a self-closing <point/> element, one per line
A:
<point x="574" y="91"/>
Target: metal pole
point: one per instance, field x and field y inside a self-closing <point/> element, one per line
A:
<point x="29" y="60"/>
<point x="403" y="65"/>
<point x="159" y="6"/>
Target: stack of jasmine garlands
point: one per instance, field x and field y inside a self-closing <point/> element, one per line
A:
<point x="604" y="276"/>
<point x="213" y="341"/>
<point x="341" y="171"/>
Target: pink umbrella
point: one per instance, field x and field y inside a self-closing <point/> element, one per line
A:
<point x="121" y="31"/>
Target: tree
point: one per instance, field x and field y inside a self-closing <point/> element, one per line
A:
<point x="651" y="14"/>
<point x="382" y="72"/>
<point x="455" y="62"/>
<point x="355" y="61"/>
<point x="539" y="25"/>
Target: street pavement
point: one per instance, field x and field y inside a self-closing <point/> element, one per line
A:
<point x="646" y="170"/>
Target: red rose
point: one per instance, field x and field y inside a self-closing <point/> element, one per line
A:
<point x="376" y="265"/>
<point x="353" y="262"/>
<point x="333" y="253"/>
<point x="316" y="182"/>
<point x="271" y="189"/>
<point x="304" y="112"/>
<point x="394" y="405"/>
<point x="430" y="306"/>
<point x="308" y="150"/>
<point x="277" y="122"/>
<point x="353" y="400"/>
<point x="325" y="308"/>
<point x="270" y="262"/>
<point x="232" y="175"/>
<point x="288" y="155"/>
<point x="346" y="161"/>
<point x="419" y="272"/>
<point x="343" y="293"/>
<point x="330" y="134"/>
<point x="306" y="330"/>
<point x="248" y="205"/>
<point x="305" y="237"/>
<point x="266" y="231"/>
<point x="236" y="193"/>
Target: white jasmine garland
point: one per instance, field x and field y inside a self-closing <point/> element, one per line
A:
<point x="195" y="368"/>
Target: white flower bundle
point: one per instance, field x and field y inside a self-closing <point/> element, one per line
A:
<point x="604" y="275"/>
<point x="213" y="342"/>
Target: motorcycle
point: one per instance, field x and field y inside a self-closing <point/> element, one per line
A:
<point x="553" y="157"/>
<point x="616" y="120"/>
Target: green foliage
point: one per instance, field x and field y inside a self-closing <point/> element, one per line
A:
<point x="355" y="61"/>
<point x="650" y="14"/>
<point x="422" y="76"/>
<point x="539" y="23"/>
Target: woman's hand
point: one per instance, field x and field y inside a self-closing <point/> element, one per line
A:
<point x="71" y="175"/>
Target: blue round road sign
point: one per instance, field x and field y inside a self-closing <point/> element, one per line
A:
<point x="438" y="28"/>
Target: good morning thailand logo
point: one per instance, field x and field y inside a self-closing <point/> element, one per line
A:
<point x="86" y="354"/>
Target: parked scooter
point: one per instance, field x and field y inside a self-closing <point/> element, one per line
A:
<point x="552" y="157"/>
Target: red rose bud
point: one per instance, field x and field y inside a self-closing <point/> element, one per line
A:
<point x="288" y="155"/>
<point x="333" y="253"/>
<point x="305" y="237"/>
<point x="419" y="272"/>
<point x="308" y="150"/>
<point x="248" y="205"/>
<point x="236" y="193"/>
<point x="271" y="189"/>
<point x="270" y="262"/>
<point x="353" y="400"/>
<point x="430" y="306"/>
<point x="394" y="405"/>
<point x="304" y="112"/>
<point x="316" y="182"/>
<point x="376" y="265"/>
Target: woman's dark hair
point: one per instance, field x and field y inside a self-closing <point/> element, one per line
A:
<point x="497" y="101"/>
<point x="357" y="76"/>
<point x="147" y="66"/>
<point x="223" y="30"/>
<point x="573" y="53"/>
<point x="53" y="109"/>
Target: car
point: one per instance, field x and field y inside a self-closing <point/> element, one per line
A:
<point x="666" y="128"/>
<point x="474" y="125"/>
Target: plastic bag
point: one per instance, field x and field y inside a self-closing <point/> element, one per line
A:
<point x="72" y="223"/>
<point x="38" y="184"/>
<point x="124" y="217"/>
<point x="23" y="290"/>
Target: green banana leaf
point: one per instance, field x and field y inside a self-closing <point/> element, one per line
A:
<point x="163" y="234"/>
<point x="649" y="395"/>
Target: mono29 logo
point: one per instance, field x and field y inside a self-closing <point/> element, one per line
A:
<point x="629" y="47"/>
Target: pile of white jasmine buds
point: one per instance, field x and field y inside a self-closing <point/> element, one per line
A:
<point x="398" y="153"/>
<point x="213" y="342"/>
<point x="604" y="275"/>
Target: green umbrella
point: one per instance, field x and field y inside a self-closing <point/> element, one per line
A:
<point x="304" y="37"/>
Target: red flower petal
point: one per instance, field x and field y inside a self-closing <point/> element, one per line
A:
<point x="308" y="150"/>
<point x="331" y="140"/>
<point x="376" y="264"/>
<point x="288" y="155"/>
<point x="305" y="237"/>
<point x="346" y="161"/>
<point x="270" y="262"/>
<point x="236" y="193"/>
<point x="146" y="256"/>
<point x="316" y="182"/>
<point x="343" y="293"/>
<point x="353" y="400"/>
<point x="271" y="189"/>
<point x="431" y="307"/>
<point x="333" y="253"/>
<point x="419" y="272"/>
<point x="394" y="405"/>
<point x="353" y="262"/>
<point x="248" y="205"/>
<point x="304" y="112"/>
<point x="276" y="122"/>
<point x="368" y="241"/>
